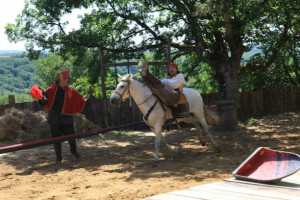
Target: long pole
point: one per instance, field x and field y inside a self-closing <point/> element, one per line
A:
<point x="30" y="145"/>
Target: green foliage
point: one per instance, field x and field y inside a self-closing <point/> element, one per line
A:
<point x="23" y="98"/>
<point x="4" y="100"/>
<point x="206" y="37"/>
<point x="16" y="75"/>
<point x="285" y="72"/>
<point x="272" y="77"/>
<point x="84" y="73"/>
<point x="20" y="98"/>
<point x="116" y="135"/>
<point x="47" y="67"/>
<point x="198" y="74"/>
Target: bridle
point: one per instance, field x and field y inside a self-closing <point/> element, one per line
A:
<point x="127" y="89"/>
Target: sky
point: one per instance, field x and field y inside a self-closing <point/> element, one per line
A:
<point x="9" y="9"/>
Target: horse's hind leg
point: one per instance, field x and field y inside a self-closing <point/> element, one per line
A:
<point x="199" y="134"/>
<point x="170" y="148"/>
<point x="205" y="127"/>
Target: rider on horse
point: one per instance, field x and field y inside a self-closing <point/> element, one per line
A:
<point x="169" y="90"/>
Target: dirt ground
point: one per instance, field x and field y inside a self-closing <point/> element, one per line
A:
<point x="116" y="166"/>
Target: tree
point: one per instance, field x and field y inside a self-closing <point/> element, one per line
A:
<point x="215" y="32"/>
<point x="80" y="78"/>
<point x="47" y="67"/>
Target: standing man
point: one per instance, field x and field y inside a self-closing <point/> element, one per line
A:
<point x="62" y="103"/>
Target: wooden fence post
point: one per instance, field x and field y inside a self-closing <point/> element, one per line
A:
<point x="11" y="99"/>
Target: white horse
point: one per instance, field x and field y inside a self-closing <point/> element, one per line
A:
<point x="155" y="113"/>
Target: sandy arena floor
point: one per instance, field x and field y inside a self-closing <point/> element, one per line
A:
<point x="118" y="167"/>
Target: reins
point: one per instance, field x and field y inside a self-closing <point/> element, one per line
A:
<point x="150" y="110"/>
<point x="145" y="100"/>
<point x="152" y="94"/>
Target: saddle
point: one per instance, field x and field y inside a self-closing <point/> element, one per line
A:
<point x="179" y="110"/>
<point x="174" y="101"/>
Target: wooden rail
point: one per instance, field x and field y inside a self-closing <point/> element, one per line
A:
<point x="252" y="103"/>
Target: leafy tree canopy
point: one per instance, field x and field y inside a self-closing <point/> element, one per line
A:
<point x="204" y="33"/>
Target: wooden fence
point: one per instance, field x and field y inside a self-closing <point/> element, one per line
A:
<point x="268" y="101"/>
<point x="251" y="104"/>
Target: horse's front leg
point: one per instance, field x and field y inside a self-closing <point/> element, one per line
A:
<point x="158" y="138"/>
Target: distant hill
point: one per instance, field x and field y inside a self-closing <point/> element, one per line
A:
<point x="11" y="51"/>
<point x="253" y="51"/>
<point x="16" y="74"/>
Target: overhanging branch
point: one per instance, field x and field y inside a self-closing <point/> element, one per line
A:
<point x="273" y="57"/>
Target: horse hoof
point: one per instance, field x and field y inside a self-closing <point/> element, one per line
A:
<point x="219" y="149"/>
<point x="180" y="151"/>
<point x="153" y="163"/>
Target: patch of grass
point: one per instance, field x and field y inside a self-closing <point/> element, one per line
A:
<point x="112" y="135"/>
<point x="250" y="121"/>
<point x="119" y="134"/>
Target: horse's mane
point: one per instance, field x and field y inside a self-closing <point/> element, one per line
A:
<point x="138" y="79"/>
<point x="141" y="81"/>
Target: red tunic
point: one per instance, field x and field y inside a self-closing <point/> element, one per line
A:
<point x="73" y="102"/>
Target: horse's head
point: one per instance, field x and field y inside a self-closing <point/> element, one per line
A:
<point x="122" y="91"/>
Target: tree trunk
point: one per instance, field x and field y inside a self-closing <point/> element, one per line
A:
<point x="230" y="74"/>
<point x="227" y="70"/>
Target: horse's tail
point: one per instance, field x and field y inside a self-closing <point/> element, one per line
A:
<point x="210" y="116"/>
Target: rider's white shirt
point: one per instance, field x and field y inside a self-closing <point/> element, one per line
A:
<point x="175" y="81"/>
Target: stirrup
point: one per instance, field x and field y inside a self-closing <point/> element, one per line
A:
<point x="174" y="110"/>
